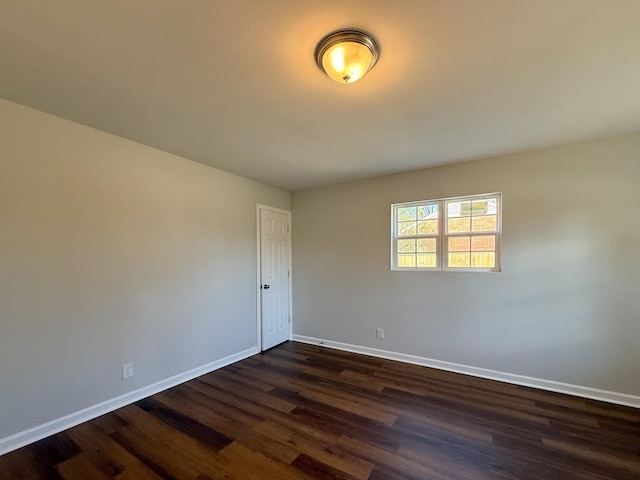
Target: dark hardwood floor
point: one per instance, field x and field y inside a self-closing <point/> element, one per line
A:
<point x="305" y="412"/>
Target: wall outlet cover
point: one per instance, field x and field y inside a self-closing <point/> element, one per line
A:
<point x="127" y="370"/>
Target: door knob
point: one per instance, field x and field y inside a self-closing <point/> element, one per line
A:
<point x="266" y="287"/>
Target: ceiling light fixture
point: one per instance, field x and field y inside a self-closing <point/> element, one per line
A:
<point x="346" y="55"/>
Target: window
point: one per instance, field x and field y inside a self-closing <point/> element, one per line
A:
<point x="452" y="234"/>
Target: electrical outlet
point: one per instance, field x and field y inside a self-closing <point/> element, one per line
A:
<point x="127" y="370"/>
<point x="379" y="332"/>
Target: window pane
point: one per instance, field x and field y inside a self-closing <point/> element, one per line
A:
<point x="426" y="227"/>
<point x="406" y="213"/>
<point x="458" y="225"/>
<point x="480" y="207"/>
<point x="483" y="243"/>
<point x="406" y="228"/>
<point x="459" y="259"/>
<point x="426" y="212"/>
<point x="458" y="209"/>
<point x="486" y="223"/>
<point x="406" y="246"/>
<point x="426" y="245"/>
<point x="492" y="206"/>
<point x="426" y="260"/>
<point x="406" y="260"/>
<point x="459" y="244"/>
<point x="484" y="259"/>
<point x="465" y="209"/>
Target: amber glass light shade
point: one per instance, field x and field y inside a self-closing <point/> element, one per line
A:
<point x="346" y="55"/>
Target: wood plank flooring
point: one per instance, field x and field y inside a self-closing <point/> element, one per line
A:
<point x="304" y="412"/>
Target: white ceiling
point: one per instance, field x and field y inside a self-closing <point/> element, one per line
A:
<point x="233" y="83"/>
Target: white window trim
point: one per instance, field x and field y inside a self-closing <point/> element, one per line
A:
<point x="441" y="238"/>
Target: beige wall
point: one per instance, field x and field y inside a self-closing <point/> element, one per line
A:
<point x="566" y="306"/>
<point x="114" y="252"/>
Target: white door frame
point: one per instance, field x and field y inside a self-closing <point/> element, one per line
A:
<point x="259" y="208"/>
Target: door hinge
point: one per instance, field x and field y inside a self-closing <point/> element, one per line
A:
<point x="289" y="318"/>
<point x="289" y="273"/>
<point x="287" y="228"/>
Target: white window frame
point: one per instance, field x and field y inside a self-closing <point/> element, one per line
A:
<point x="442" y="236"/>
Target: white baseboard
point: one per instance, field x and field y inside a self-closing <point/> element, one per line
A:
<point x="550" y="385"/>
<point x="39" y="432"/>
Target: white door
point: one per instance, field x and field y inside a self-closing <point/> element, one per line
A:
<point x="274" y="277"/>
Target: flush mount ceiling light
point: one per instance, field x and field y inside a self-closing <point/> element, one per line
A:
<point x="346" y="55"/>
